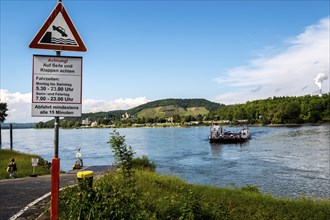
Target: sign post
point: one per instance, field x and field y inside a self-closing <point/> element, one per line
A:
<point x="55" y="169"/>
<point x="57" y="80"/>
<point x="34" y="164"/>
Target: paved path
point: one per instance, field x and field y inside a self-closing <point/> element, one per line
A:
<point x="17" y="194"/>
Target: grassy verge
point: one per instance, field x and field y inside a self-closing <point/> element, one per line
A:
<point x="152" y="196"/>
<point x="204" y="202"/>
<point x="24" y="164"/>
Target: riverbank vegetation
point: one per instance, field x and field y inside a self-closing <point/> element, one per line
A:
<point x="24" y="164"/>
<point x="137" y="192"/>
<point x="151" y="196"/>
<point x="192" y="112"/>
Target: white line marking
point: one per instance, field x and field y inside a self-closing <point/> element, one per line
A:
<point x="28" y="206"/>
<point x="18" y="214"/>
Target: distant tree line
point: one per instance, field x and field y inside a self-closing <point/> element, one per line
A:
<point x="276" y="110"/>
<point x="117" y="122"/>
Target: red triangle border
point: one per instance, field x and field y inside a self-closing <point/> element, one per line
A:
<point x="35" y="42"/>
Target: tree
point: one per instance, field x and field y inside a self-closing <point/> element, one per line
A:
<point x="292" y="112"/>
<point x="315" y="110"/>
<point x="199" y="118"/>
<point x="77" y="124"/>
<point x="188" y="118"/>
<point x="123" y="154"/>
<point x="176" y="118"/>
<point x="3" y="111"/>
<point x="39" y="125"/>
<point x="240" y="113"/>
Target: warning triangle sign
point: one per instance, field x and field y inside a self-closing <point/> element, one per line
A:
<point x="58" y="33"/>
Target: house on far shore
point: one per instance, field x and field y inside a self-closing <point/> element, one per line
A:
<point x="94" y="124"/>
<point x="126" y="116"/>
<point x="86" y="122"/>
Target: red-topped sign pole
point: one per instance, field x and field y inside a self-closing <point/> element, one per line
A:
<point x="55" y="185"/>
<point x="52" y="73"/>
<point x="55" y="167"/>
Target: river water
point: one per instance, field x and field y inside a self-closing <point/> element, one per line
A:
<point x="282" y="161"/>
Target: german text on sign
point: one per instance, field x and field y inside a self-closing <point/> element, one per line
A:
<point x="56" y="86"/>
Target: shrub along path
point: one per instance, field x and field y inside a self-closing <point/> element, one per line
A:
<point x="17" y="194"/>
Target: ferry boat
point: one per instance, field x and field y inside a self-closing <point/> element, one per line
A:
<point x="219" y="135"/>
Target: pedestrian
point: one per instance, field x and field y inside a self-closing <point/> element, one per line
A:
<point x="12" y="168"/>
<point x="78" y="155"/>
<point x="79" y="162"/>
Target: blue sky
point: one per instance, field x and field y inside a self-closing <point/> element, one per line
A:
<point x="139" y="51"/>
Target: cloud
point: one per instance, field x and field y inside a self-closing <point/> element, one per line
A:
<point x="19" y="106"/>
<point x="282" y="74"/>
<point x="91" y="105"/>
<point x="256" y="89"/>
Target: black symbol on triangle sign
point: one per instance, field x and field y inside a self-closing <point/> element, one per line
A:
<point x="60" y="30"/>
<point x="53" y="36"/>
<point x="49" y="39"/>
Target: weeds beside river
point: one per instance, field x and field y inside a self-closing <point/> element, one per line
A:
<point x="151" y="196"/>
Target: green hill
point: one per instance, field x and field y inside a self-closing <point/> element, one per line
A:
<point x="179" y="103"/>
<point x="156" y="109"/>
<point x="169" y="107"/>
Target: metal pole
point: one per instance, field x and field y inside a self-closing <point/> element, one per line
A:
<point x="56" y="136"/>
<point x="55" y="169"/>
<point x="56" y="125"/>
<point x="11" y="136"/>
<point x="0" y="136"/>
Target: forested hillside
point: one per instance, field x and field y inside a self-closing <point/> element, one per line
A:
<point x="278" y="110"/>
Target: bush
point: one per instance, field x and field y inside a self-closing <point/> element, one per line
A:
<point x="143" y="163"/>
<point x="123" y="154"/>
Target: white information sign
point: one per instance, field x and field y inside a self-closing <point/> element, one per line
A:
<point x="56" y="86"/>
<point x="35" y="161"/>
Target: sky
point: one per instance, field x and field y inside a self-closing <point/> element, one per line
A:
<point x="139" y="51"/>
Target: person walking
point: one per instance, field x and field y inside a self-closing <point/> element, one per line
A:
<point x="12" y="168"/>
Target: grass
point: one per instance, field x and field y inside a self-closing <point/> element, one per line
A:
<point x="24" y="164"/>
<point x="223" y="203"/>
<point x="152" y="196"/>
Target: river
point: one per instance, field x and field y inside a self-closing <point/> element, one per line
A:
<point x="282" y="161"/>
